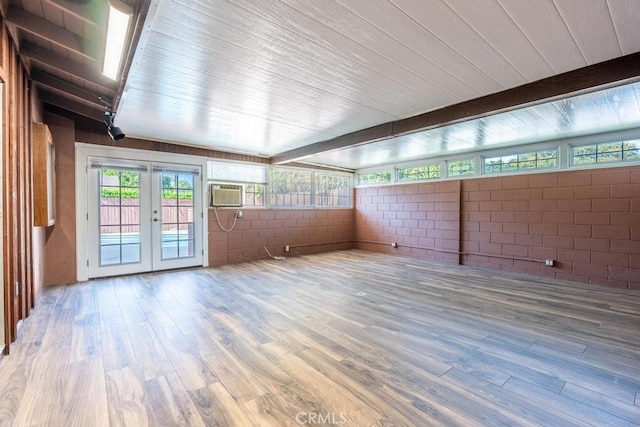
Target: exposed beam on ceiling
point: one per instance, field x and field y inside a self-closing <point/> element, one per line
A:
<point x="140" y="17"/>
<point x="77" y="118"/>
<point x="52" y="33"/>
<point x="45" y="79"/>
<point x="93" y="12"/>
<point x="46" y="57"/>
<point x="73" y="106"/>
<point x="587" y="78"/>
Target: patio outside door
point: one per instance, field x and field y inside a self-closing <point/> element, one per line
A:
<point x="143" y="217"/>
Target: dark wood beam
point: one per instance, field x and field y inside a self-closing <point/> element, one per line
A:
<point x="70" y="105"/>
<point x="78" y="119"/>
<point x="93" y="12"/>
<point x="587" y="78"/>
<point x="57" y="35"/>
<point x="46" y="57"/>
<point x="44" y="79"/>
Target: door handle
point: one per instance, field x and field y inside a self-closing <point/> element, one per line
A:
<point x="156" y="219"/>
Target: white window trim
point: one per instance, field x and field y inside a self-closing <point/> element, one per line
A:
<point x="555" y="168"/>
<point x="417" y="165"/>
<point x="564" y="157"/>
<point x="269" y="168"/>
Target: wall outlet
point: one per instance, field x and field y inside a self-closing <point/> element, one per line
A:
<point x="286" y="248"/>
<point x="394" y="245"/>
<point x="548" y="262"/>
<point x="239" y="214"/>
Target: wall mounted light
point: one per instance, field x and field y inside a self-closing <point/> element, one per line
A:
<point x="117" y="30"/>
<point x="114" y="131"/>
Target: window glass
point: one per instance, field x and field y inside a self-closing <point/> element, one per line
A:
<point x="418" y="173"/>
<point x="461" y="167"/>
<point x="333" y="190"/>
<point x="369" y="178"/>
<point x="605" y="152"/>
<point x="525" y="161"/>
<point x="290" y="187"/>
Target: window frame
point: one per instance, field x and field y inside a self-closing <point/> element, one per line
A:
<point x="268" y="185"/>
<point x="427" y="165"/>
<point x="622" y="162"/>
<point x="519" y="171"/>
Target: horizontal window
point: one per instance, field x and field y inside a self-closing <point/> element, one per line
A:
<point x="333" y="190"/>
<point x="418" y="173"/>
<point x="369" y="178"/>
<point x="518" y="162"/>
<point x="269" y="186"/>
<point x="236" y="172"/>
<point x="605" y="152"/>
<point x="254" y="194"/>
<point x="461" y="167"/>
<point x="290" y="188"/>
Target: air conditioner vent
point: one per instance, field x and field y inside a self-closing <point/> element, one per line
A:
<point x="226" y="195"/>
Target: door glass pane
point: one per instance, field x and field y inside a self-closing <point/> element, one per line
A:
<point x="119" y="219"/>
<point x="177" y="216"/>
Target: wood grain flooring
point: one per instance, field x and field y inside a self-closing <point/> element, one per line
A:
<point x="343" y="338"/>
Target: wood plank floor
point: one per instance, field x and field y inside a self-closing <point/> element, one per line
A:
<point x="344" y="338"/>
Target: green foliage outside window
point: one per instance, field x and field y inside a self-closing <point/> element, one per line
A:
<point x="524" y="161"/>
<point x="374" y="177"/>
<point x="419" y="173"/>
<point x="461" y="167"/>
<point x="126" y="185"/>
<point x="606" y="152"/>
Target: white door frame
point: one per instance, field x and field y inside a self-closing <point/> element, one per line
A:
<point x="86" y="151"/>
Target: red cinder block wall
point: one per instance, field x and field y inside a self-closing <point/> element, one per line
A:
<point x="588" y="222"/>
<point x="424" y="219"/>
<point x="304" y="230"/>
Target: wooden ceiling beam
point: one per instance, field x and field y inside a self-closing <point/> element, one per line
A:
<point x="44" y="79"/>
<point x="46" y="57"/>
<point x="69" y="105"/>
<point x="604" y="73"/>
<point x="57" y="35"/>
<point x="93" y="12"/>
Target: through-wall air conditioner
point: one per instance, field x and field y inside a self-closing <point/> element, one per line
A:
<point x="225" y="195"/>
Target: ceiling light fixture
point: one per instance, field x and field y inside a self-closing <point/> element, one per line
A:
<point x="114" y="131"/>
<point x="117" y="29"/>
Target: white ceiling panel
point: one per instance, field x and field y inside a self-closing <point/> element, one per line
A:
<point x="270" y="76"/>
<point x="429" y="79"/>
<point x="453" y="70"/>
<point x="447" y="25"/>
<point x="543" y="25"/>
<point x="626" y="16"/>
<point x="496" y="27"/>
<point x="596" y="46"/>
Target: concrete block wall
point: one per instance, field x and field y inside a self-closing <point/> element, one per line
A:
<point x="588" y="222"/>
<point x="424" y="219"/>
<point x="304" y="230"/>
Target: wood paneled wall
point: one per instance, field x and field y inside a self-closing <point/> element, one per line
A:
<point x="18" y="251"/>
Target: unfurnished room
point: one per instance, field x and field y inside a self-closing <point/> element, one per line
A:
<point x="319" y="212"/>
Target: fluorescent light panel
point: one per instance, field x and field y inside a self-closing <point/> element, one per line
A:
<point x="116" y="37"/>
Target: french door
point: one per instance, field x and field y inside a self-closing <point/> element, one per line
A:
<point x="143" y="217"/>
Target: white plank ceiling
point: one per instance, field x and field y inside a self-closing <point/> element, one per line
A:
<point x="264" y="77"/>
